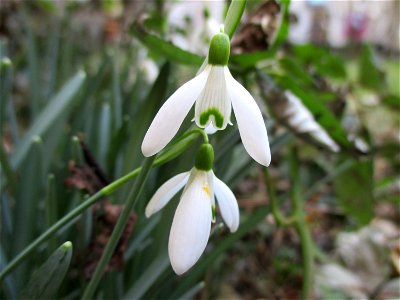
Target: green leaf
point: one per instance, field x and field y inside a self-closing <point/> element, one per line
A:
<point x="370" y="74"/>
<point x="48" y="6"/>
<point x="148" y="277"/>
<point x="251" y="59"/>
<point x="28" y="196"/>
<point x="56" y="108"/>
<point x="46" y="281"/>
<point x="354" y="189"/>
<point x="283" y="30"/>
<point x="331" y="65"/>
<point x="233" y="16"/>
<point x="164" y="48"/>
<point x="324" y="62"/>
<point x="392" y="101"/>
<point x="293" y="68"/>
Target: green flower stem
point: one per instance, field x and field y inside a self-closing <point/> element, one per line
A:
<point x="308" y="258"/>
<point x="301" y="227"/>
<point x="233" y="16"/>
<point x="232" y="19"/>
<point x="175" y="149"/>
<point x="119" y="227"/>
<point x="280" y="219"/>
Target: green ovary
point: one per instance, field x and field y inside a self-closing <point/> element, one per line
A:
<point x="218" y="117"/>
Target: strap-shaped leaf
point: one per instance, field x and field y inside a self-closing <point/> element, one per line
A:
<point x="46" y="280"/>
<point x="354" y="189"/>
<point x="164" y="48"/>
<point x="57" y="107"/>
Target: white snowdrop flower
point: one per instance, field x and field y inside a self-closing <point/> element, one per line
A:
<point x="214" y="92"/>
<point x="191" y="225"/>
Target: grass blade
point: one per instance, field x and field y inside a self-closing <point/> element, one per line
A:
<point x="57" y="107"/>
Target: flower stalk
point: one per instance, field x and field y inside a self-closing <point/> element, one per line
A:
<point x="119" y="227"/>
<point x="296" y="220"/>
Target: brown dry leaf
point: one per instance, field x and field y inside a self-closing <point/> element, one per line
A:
<point x="258" y="32"/>
<point x="90" y="177"/>
<point x="105" y="217"/>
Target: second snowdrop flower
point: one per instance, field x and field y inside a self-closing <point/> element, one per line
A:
<point x="191" y="225"/>
<point x="215" y="92"/>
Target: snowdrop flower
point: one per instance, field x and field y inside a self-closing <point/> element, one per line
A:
<point x="214" y="92"/>
<point x="196" y="210"/>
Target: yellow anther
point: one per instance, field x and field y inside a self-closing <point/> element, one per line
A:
<point x="207" y="190"/>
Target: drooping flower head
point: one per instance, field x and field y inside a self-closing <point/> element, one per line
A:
<point x="215" y="92"/>
<point x="191" y="225"/>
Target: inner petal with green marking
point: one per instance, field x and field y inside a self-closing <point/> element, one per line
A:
<point x="213" y="105"/>
<point x="212" y="115"/>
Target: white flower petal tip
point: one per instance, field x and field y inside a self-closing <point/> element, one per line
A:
<point x="250" y="122"/>
<point x="165" y="193"/>
<point x="227" y="203"/>
<point x="171" y="115"/>
<point x="191" y="226"/>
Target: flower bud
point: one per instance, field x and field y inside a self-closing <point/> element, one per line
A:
<point x="204" y="158"/>
<point x="219" y="51"/>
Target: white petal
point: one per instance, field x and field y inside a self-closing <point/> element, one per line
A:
<point x="210" y="129"/>
<point x="213" y="103"/>
<point x="171" y="115"/>
<point x="250" y="121"/>
<point x="227" y="203"/>
<point x="192" y="223"/>
<point x="165" y="193"/>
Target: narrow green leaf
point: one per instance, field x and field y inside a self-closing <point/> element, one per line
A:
<point x="117" y="95"/>
<point x="191" y="293"/>
<point x="370" y="74"/>
<point x="77" y="154"/>
<point x="292" y="67"/>
<point x="5" y="85"/>
<point x="51" y="209"/>
<point x="6" y="172"/>
<point x="164" y="48"/>
<point x="52" y="56"/>
<point x="46" y="281"/>
<point x="30" y="186"/>
<point x="27" y="194"/>
<point x="149" y="276"/>
<point x="7" y="111"/>
<point x="233" y="16"/>
<point x="33" y="68"/>
<point x="57" y="107"/>
<point x="283" y="30"/>
<point x="354" y="188"/>
<point x="392" y="101"/>
<point x="47" y="5"/>
<point x="104" y="132"/>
